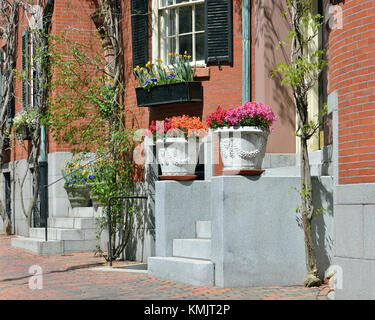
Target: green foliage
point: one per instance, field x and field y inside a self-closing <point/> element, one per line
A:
<point x="82" y="171"/>
<point x="304" y="72"/>
<point x="27" y="117"/>
<point x="306" y="192"/>
<point x="86" y="113"/>
<point x="155" y="74"/>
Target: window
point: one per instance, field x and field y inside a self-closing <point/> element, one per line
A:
<point x="181" y="28"/>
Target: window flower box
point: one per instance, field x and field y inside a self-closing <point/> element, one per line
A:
<point x="170" y="93"/>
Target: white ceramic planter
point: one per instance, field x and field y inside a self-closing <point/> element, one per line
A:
<point x="242" y="148"/>
<point x="177" y="156"/>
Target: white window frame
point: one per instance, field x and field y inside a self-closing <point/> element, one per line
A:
<point x="157" y="46"/>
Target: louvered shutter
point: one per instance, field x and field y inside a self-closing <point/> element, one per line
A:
<point x="139" y="10"/>
<point x="218" y="35"/>
<point x="11" y="106"/>
<point x="35" y="81"/>
<point x="25" y="68"/>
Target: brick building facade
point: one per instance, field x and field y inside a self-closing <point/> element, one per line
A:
<point x="348" y="85"/>
<point x="352" y="103"/>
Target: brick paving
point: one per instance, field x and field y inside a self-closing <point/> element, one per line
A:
<point x="73" y="277"/>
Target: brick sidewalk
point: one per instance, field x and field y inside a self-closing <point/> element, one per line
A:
<point x="71" y="277"/>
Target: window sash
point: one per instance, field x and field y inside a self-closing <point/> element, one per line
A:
<point x="162" y="34"/>
<point x="176" y="5"/>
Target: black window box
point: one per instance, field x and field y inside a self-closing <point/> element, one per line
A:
<point x="170" y="93"/>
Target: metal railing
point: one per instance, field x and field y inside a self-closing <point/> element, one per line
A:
<point x="109" y="221"/>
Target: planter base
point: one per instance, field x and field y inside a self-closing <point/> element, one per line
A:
<point x="243" y="172"/>
<point x="178" y="178"/>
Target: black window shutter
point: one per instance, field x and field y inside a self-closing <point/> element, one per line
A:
<point x="139" y="12"/>
<point x="11" y="106"/>
<point x="25" y="68"/>
<point x="218" y="35"/>
<point x="35" y="82"/>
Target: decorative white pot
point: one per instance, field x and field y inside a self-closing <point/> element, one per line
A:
<point x="242" y="148"/>
<point x="177" y="156"/>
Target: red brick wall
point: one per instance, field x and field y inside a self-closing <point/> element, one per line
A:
<point x="72" y="18"/>
<point x="222" y="87"/>
<point x="19" y="151"/>
<point x="352" y="74"/>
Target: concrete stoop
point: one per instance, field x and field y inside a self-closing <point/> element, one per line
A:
<point x="295" y="171"/>
<point x="191" y="261"/>
<point x="73" y="233"/>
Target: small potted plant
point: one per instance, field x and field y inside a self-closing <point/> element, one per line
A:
<point x="243" y="133"/>
<point x="25" y="122"/>
<point x="177" y="145"/>
<point x="77" y="178"/>
<point x="160" y="85"/>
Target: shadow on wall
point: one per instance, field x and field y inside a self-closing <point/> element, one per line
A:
<point x="322" y="224"/>
<point x="141" y="241"/>
<point x="271" y="31"/>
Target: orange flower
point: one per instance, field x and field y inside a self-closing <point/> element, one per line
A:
<point x="191" y="126"/>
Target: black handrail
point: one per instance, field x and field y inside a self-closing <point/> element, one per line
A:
<point x="110" y="221"/>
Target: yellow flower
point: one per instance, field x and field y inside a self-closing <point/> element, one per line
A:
<point x="185" y="52"/>
<point x="180" y="56"/>
<point x="170" y="54"/>
<point x="189" y="57"/>
<point x="83" y="172"/>
<point x="141" y="69"/>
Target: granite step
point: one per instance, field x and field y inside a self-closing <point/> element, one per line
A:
<point x="72" y="223"/>
<point x="192" y="248"/>
<point x="190" y="271"/>
<point x="42" y="247"/>
<point x="57" y="234"/>
<point x="203" y="229"/>
<point x="38" y="246"/>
